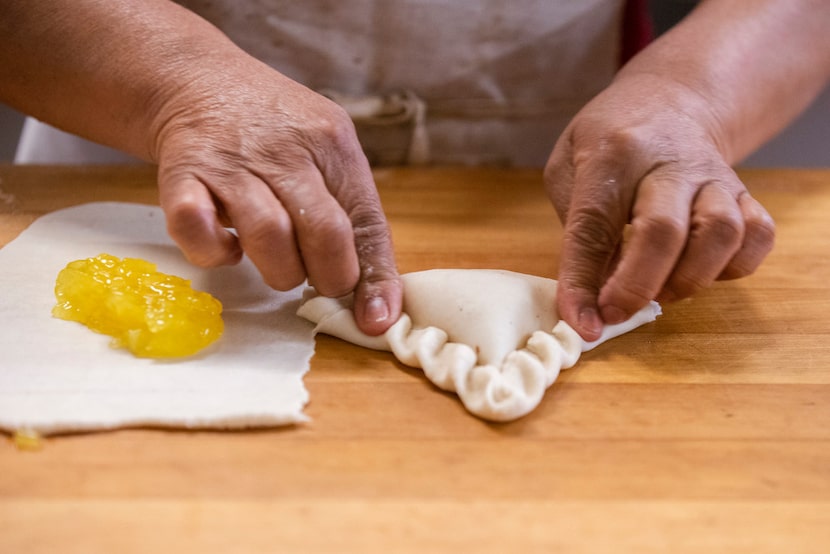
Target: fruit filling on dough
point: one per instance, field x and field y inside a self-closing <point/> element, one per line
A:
<point x="152" y="314"/>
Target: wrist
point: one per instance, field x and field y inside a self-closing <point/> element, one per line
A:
<point x="680" y="105"/>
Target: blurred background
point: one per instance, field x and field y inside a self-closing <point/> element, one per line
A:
<point x="803" y="144"/>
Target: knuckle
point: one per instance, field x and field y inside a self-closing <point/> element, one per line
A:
<point x="630" y="139"/>
<point x="187" y="225"/>
<point x="373" y="241"/>
<point x="206" y="257"/>
<point x="748" y="259"/>
<point x="664" y="231"/>
<point x="284" y="280"/>
<point x="589" y="243"/>
<point x="267" y="230"/>
<point x="760" y="231"/>
<point x="183" y="217"/>
<point x="592" y="233"/>
<point x="324" y="228"/>
<point x="619" y="142"/>
<point x="632" y="294"/>
<point x="334" y="284"/>
<point x="368" y="220"/>
<point x="333" y="128"/>
<point x="724" y="228"/>
<point x="742" y="265"/>
<point x="683" y="285"/>
<point x="737" y="270"/>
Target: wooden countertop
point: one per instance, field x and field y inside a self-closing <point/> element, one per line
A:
<point x="707" y="431"/>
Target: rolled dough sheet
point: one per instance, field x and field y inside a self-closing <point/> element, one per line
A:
<point x="58" y="376"/>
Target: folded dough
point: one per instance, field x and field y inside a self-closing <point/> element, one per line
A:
<point x="493" y="337"/>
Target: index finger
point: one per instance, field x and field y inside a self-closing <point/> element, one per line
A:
<point x="323" y="231"/>
<point x="659" y="230"/>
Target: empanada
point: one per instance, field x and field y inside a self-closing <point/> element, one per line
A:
<point x="493" y="337"/>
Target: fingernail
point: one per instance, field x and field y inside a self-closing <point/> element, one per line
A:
<point x="377" y="310"/>
<point x="590" y="322"/>
<point x="613" y="314"/>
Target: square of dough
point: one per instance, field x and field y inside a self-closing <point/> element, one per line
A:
<point x="58" y="376"/>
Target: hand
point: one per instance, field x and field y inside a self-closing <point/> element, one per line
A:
<point x="246" y="147"/>
<point x="644" y="152"/>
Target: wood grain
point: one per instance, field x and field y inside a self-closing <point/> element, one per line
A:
<point x="706" y="431"/>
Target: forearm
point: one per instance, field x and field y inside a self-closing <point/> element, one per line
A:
<point x="754" y="64"/>
<point x="103" y="69"/>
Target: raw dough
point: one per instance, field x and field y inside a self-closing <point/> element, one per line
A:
<point x="493" y="337"/>
<point x="58" y="376"/>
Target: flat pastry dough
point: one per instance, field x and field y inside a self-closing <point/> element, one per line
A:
<point x="492" y="337"/>
<point x="57" y="376"/>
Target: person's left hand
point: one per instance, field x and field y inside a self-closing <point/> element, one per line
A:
<point x="645" y="152"/>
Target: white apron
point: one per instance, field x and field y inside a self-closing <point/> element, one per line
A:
<point x="426" y="81"/>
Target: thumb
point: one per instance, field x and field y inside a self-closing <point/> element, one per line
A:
<point x="589" y="239"/>
<point x="594" y="218"/>
<point x="589" y="246"/>
<point x="379" y="292"/>
<point x="378" y="296"/>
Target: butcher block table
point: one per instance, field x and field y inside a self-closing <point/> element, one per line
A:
<point x="706" y="431"/>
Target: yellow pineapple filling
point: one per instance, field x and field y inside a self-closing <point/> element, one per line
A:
<point x="152" y="314"/>
<point x="27" y="439"/>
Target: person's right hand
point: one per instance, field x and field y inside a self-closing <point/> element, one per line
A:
<point x="243" y="146"/>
